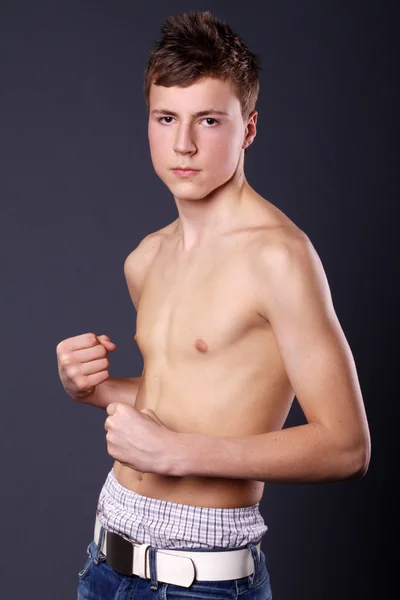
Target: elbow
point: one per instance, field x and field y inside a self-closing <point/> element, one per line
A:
<point x="364" y="460"/>
<point x="359" y="462"/>
<point x="350" y="456"/>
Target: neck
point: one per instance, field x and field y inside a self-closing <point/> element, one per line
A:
<point x="202" y="220"/>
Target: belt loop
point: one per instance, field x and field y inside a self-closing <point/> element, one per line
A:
<point x="99" y="545"/>
<point x="153" y="568"/>
<point x="256" y="560"/>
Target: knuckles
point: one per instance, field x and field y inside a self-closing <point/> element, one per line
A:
<point x="65" y="359"/>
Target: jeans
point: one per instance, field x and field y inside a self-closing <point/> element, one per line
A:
<point x="98" y="581"/>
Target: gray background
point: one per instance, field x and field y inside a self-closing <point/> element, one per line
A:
<point x="78" y="193"/>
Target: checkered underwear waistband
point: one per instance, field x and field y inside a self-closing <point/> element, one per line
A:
<point x="171" y="525"/>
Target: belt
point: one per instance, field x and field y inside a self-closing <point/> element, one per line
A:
<point x="179" y="567"/>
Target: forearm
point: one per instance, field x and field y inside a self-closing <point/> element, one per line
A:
<point x="303" y="454"/>
<point x="114" y="389"/>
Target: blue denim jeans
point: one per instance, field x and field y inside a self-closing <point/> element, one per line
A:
<point x="98" y="581"/>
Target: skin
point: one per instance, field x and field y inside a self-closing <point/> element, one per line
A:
<point x="234" y="318"/>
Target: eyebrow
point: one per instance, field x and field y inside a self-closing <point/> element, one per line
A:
<point x="200" y="113"/>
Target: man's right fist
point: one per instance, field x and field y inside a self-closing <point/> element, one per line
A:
<point x="83" y="363"/>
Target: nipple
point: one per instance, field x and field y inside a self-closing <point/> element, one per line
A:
<point x="201" y="345"/>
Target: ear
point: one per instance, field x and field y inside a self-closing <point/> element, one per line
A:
<point x="251" y="130"/>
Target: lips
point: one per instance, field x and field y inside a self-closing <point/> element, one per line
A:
<point x="184" y="169"/>
<point x="185" y="172"/>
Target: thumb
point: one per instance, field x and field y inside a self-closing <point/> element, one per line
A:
<point x="106" y="342"/>
<point x="150" y="413"/>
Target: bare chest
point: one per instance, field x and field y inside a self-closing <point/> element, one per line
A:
<point x="194" y="308"/>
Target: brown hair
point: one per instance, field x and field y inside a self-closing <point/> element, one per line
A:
<point x="195" y="45"/>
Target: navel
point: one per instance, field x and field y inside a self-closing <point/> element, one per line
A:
<point x="201" y="345"/>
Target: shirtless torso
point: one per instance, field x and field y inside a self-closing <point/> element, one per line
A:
<point x="211" y="364"/>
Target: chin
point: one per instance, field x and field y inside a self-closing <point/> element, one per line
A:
<point x="187" y="190"/>
<point x="189" y="197"/>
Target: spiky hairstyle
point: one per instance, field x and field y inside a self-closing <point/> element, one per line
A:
<point x="195" y="45"/>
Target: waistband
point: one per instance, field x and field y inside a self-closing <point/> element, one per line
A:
<point x="168" y="524"/>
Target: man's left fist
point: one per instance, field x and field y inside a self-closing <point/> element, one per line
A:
<point x="139" y="439"/>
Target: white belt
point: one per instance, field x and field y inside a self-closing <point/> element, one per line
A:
<point x="181" y="567"/>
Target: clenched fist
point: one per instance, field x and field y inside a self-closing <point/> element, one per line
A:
<point x="140" y="440"/>
<point x="83" y="363"/>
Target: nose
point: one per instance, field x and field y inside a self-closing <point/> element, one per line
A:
<point x="184" y="142"/>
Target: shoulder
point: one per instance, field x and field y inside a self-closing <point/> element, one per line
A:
<point x="145" y="252"/>
<point x="287" y="270"/>
<point x="138" y="262"/>
<point x="283" y="248"/>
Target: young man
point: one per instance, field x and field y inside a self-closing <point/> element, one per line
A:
<point x="234" y="319"/>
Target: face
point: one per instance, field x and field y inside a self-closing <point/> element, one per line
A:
<point x="209" y="142"/>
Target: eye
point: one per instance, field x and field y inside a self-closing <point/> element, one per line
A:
<point x="215" y="121"/>
<point x="161" y="118"/>
<point x="211" y="119"/>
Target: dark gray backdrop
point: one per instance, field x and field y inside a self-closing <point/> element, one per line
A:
<point x="78" y="192"/>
